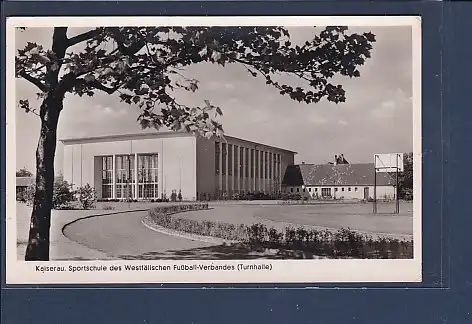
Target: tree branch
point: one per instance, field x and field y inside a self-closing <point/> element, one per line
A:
<point x="99" y="86"/>
<point x="127" y="50"/>
<point x="33" y="80"/>
<point x="83" y="37"/>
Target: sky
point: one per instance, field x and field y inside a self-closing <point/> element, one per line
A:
<point x="376" y="117"/>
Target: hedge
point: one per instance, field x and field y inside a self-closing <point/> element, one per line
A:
<point x="343" y="243"/>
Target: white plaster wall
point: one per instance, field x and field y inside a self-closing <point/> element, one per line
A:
<point x="382" y="191"/>
<point x="177" y="161"/>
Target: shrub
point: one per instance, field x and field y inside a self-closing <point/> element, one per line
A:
<point x="24" y="195"/>
<point x="87" y="196"/>
<point x="29" y="194"/>
<point x="179" y="196"/>
<point x="275" y="238"/>
<point x="63" y="194"/>
<point x="20" y="196"/>
<point x="291" y="196"/>
<point x="257" y="233"/>
<point x="341" y="243"/>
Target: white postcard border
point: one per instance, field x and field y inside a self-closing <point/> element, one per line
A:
<point x="281" y="271"/>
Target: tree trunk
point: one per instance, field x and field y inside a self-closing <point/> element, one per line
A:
<point x="38" y="241"/>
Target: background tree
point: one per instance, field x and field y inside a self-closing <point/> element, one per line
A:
<point x="24" y="172"/>
<point x="405" y="179"/>
<point x="144" y="65"/>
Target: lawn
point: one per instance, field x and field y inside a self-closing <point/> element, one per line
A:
<point x="355" y="216"/>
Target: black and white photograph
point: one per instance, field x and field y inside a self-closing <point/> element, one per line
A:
<point x="213" y="149"/>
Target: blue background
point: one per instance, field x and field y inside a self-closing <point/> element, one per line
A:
<point x="444" y="296"/>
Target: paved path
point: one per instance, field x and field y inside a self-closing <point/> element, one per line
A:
<point x="113" y="235"/>
<point x="124" y="236"/>
<point x="61" y="248"/>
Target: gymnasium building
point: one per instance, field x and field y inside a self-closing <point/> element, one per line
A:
<point x="149" y="165"/>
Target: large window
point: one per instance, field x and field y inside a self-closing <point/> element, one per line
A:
<point x="125" y="181"/>
<point x="326" y="192"/>
<point x="147" y="176"/>
<point x="107" y="177"/>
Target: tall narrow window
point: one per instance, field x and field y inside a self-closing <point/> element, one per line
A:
<point x="107" y="177"/>
<point x="217" y="157"/>
<point x="250" y="154"/>
<point x="261" y="165"/>
<point x="230" y="159"/>
<point x="274" y="166"/>
<point x="269" y="164"/>
<point x="257" y="163"/>
<point x="279" y="175"/>
<point x="266" y="163"/>
<point x="223" y="167"/>
<point x="148" y="176"/>
<point x="236" y="161"/>
<point x="241" y="164"/>
<point x="125" y="176"/>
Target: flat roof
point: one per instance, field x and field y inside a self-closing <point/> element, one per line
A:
<point x="161" y="134"/>
<point x="24" y="181"/>
<point x="122" y="137"/>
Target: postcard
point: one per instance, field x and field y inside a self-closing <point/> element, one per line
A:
<point x="213" y="149"/>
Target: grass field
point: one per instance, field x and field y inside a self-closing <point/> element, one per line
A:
<point x="355" y="216"/>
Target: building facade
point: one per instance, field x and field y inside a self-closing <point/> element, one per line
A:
<point x="339" y="181"/>
<point x="150" y="165"/>
<point x="22" y="184"/>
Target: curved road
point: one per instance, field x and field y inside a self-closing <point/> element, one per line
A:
<point x="124" y="236"/>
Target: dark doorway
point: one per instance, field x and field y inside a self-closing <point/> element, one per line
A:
<point x="366" y="193"/>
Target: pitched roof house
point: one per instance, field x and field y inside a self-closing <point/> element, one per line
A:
<point x="359" y="174"/>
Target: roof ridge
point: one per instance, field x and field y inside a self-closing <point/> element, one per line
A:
<point x="357" y="174"/>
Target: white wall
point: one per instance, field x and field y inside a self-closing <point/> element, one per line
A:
<point x="177" y="161"/>
<point x="382" y="191"/>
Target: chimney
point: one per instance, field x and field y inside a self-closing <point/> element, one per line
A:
<point x="335" y="160"/>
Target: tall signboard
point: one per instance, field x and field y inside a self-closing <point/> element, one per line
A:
<point x="392" y="164"/>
